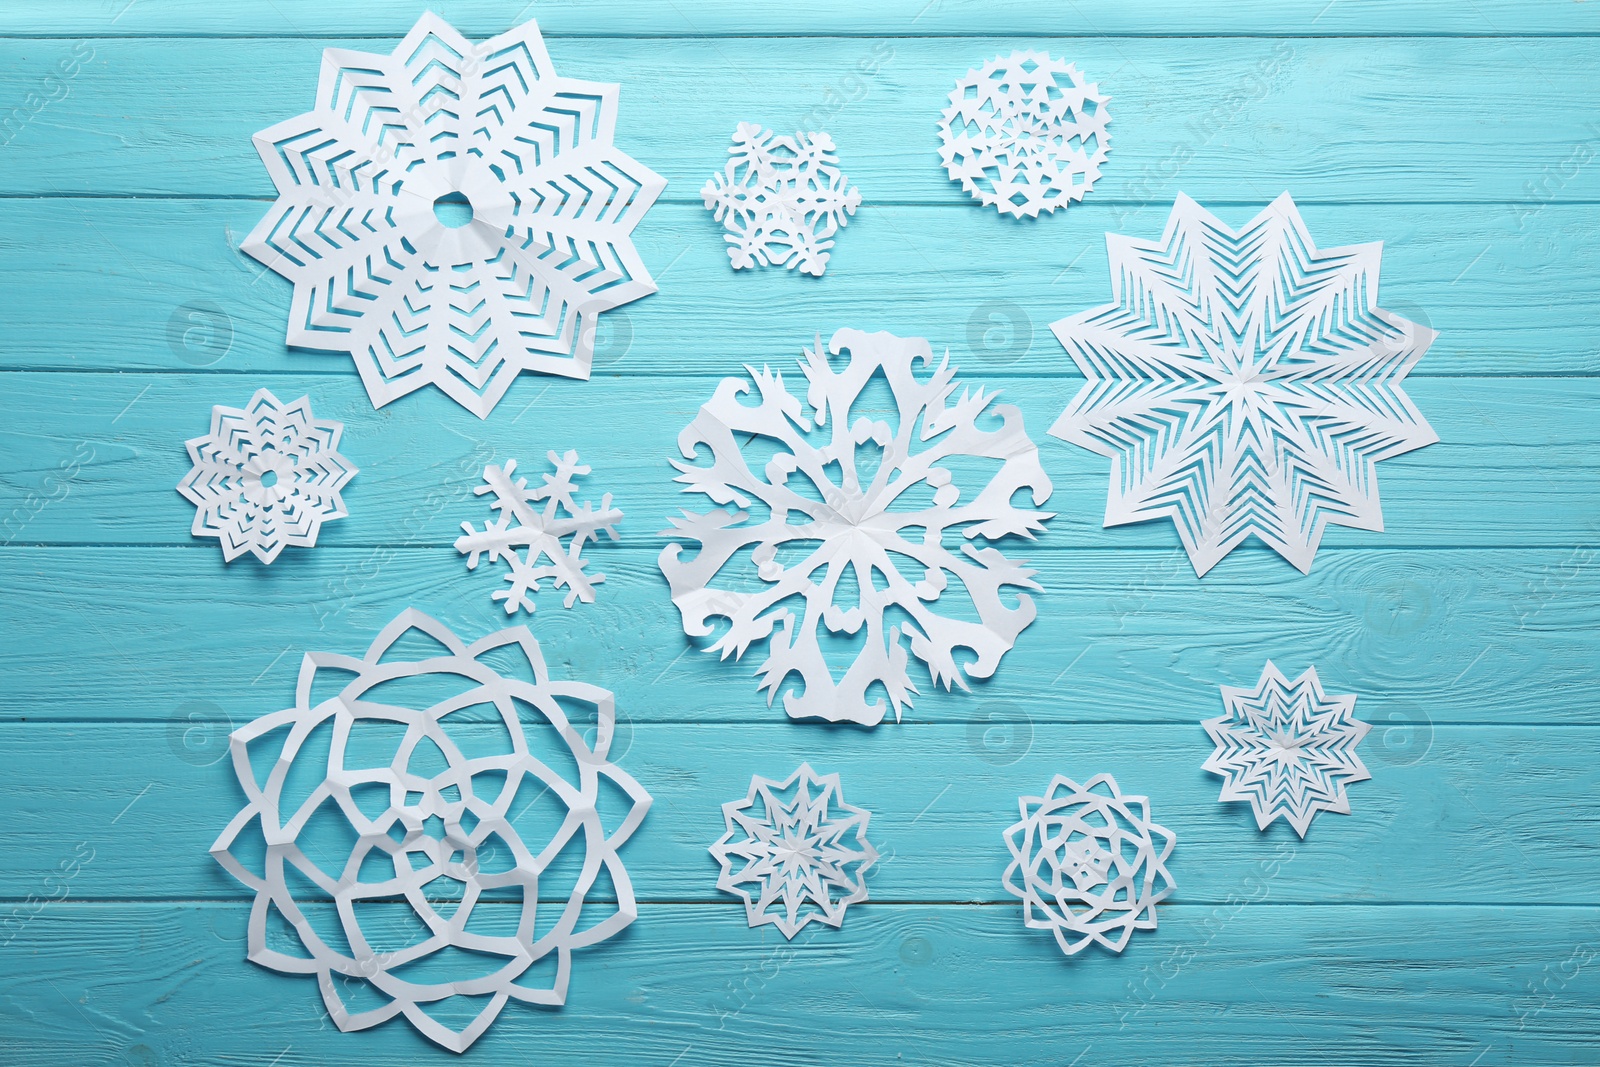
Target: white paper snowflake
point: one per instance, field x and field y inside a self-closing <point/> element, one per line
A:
<point x="859" y="493"/>
<point x="537" y="533"/>
<point x="1025" y="133"/>
<point x="1243" y="383"/>
<point x="1088" y="863"/>
<point x="420" y="836"/>
<point x="781" y="198"/>
<point x="795" y="852"/>
<point x="453" y="214"/>
<point x="1287" y="748"/>
<point x="266" y="476"/>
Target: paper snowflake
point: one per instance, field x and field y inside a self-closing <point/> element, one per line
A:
<point x="781" y="198"/>
<point x="1287" y="748"/>
<point x="538" y="532"/>
<point x="858" y="492"/>
<point x="1025" y="133"/>
<point x="453" y="214"/>
<point x="420" y="851"/>
<point x="795" y="852"/>
<point x="1243" y="383"/>
<point x="1088" y="863"/>
<point x="266" y="476"/>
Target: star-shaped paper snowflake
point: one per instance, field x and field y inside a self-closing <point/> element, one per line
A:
<point x="538" y="532"/>
<point x="781" y="198"/>
<point x="795" y="852"/>
<point x="266" y="476"/>
<point x="1287" y="748"/>
<point x="1243" y="383"/>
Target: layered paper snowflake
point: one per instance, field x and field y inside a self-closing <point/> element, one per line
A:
<point x="525" y="533"/>
<point x="1088" y="863"/>
<point x="1287" y="748"/>
<point x="266" y="476"/>
<point x="1243" y="383"/>
<point x="453" y="214"/>
<point x="781" y="199"/>
<point x="408" y="815"/>
<point x="795" y="852"/>
<point x="1025" y="133"/>
<point x="860" y="489"/>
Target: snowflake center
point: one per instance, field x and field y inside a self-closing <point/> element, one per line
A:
<point x="453" y="210"/>
<point x="269" y="478"/>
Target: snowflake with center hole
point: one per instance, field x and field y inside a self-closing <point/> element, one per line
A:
<point x="848" y="501"/>
<point x="1287" y="748"/>
<point x="794" y="851"/>
<point x="781" y="198"/>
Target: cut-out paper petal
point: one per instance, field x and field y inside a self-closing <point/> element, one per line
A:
<point x="413" y="813"/>
<point x="453" y="214"/>
<point x="1243" y="383"/>
<point x="864" y="494"/>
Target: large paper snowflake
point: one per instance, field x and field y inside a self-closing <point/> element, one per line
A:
<point x="1287" y="748"/>
<point x="430" y="829"/>
<point x="873" y="496"/>
<point x="795" y="852"/>
<point x="539" y="532"/>
<point x="1243" y="383"/>
<point x="453" y="214"/>
<point x="1025" y="133"/>
<point x="781" y="198"/>
<point x="1088" y="863"/>
<point x="266" y="476"/>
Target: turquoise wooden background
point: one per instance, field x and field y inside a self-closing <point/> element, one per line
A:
<point x="1452" y="919"/>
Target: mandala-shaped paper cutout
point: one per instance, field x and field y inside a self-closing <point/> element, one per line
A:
<point x="453" y="214"/>
<point x="1287" y="748"/>
<point x="525" y="532"/>
<point x="795" y="852"/>
<point x="1243" y="383"/>
<point x="266" y="476"/>
<point x="408" y="843"/>
<point x="1025" y="133"/>
<point x="781" y="199"/>
<point x="859" y="500"/>
<point x="1088" y="863"/>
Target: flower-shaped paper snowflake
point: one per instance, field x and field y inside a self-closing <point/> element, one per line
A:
<point x="266" y="476"/>
<point x="538" y="532"/>
<point x="411" y="836"/>
<point x="858" y="501"/>
<point x="781" y="198"/>
<point x="1088" y="864"/>
<point x="1243" y="383"/>
<point x="795" y="852"/>
<point x="1287" y="748"/>
<point x="453" y="214"/>
<point x="1025" y="133"/>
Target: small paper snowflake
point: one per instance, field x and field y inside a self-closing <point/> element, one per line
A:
<point x="1088" y="863"/>
<point x="538" y="532"/>
<point x="1025" y="133"/>
<point x="266" y="476"/>
<point x="795" y="852"/>
<point x="781" y="198"/>
<point x="859" y="501"/>
<point x="1287" y="748"/>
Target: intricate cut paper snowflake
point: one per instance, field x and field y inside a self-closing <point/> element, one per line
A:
<point x="1025" y="133"/>
<point x="410" y="841"/>
<point x="1243" y="383"/>
<point x="781" y="198"/>
<point x="453" y="214"/>
<point x="266" y="476"/>
<point x="873" y="495"/>
<point x="795" y="852"/>
<point x="538" y="532"/>
<point x="1287" y="748"/>
<point x="1088" y="863"/>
